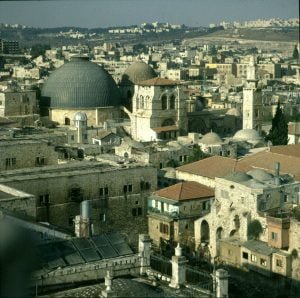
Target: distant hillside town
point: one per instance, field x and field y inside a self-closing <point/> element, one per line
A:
<point x="164" y="167"/>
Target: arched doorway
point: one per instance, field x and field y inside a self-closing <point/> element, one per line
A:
<point x="204" y="231"/>
<point x="67" y="121"/>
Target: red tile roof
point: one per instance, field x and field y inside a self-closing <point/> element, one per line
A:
<point x="218" y="166"/>
<point x="187" y="190"/>
<point x="215" y="166"/>
<point x="289" y="150"/>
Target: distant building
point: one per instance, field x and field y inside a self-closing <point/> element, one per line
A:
<point x="9" y="46"/>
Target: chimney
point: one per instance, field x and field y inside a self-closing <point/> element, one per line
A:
<point x="277" y="171"/>
<point x="82" y="221"/>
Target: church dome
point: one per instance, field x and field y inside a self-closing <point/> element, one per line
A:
<point x="137" y="72"/>
<point x="80" y="84"/>
<point x="234" y="112"/>
<point x="250" y="135"/>
<point x="210" y="138"/>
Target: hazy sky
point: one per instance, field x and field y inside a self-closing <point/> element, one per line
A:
<point x="105" y="13"/>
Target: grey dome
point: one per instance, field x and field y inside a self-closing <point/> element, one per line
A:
<point x="80" y="116"/>
<point x="210" y="138"/>
<point x="80" y="84"/>
<point x="234" y="112"/>
<point x="260" y="175"/>
<point x="137" y="72"/>
<point x="238" y="177"/>
<point x="247" y="135"/>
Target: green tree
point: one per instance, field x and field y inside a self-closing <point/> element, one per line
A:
<point x="254" y="229"/>
<point x="278" y="134"/>
<point x="197" y="154"/>
<point x="295" y="52"/>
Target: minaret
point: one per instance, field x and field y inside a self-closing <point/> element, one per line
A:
<point x="252" y="100"/>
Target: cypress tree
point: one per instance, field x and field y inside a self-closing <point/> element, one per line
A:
<point x="278" y="134"/>
<point x="295" y="52"/>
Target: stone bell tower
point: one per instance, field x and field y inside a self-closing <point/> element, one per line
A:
<point x="252" y="100"/>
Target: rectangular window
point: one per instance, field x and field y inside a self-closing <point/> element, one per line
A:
<point x="205" y="205"/>
<point x="10" y="162"/>
<point x="278" y="263"/>
<point x="71" y="220"/>
<point x="127" y="188"/>
<point x="253" y="258"/>
<point x="136" y="211"/>
<point x="274" y="236"/>
<point x="263" y="262"/>
<point x="245" y="255"/>
<point x="163" y="228"/>
<point x="39" y="161"/>
<point x="103" y="191"/>
<point x="43" y="200"/>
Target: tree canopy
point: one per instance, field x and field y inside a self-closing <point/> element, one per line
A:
<point x="295" y="52"/>
<point x="278" y="134"/>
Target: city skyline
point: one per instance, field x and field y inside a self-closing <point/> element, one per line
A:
<point x="93" y="14"/>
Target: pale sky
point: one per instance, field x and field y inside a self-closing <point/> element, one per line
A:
<point x="105" y="13"/>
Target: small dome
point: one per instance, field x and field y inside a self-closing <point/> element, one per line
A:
<point x="238" y="177"/>
<point x="137" y="72"/>
<point x="250" y="135"/>
<point x="210" y="138"/>
<point x="80" y="116"/>
<point x="80" y="83"/>
<point x="260" y="175"/>
<point x="234" y="112"/>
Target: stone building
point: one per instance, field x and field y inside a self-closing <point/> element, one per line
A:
<point x="18" y="103"/>
<point x="242" y="201"/>
<point x="80" y="85"/>
<point x="157" y="154"/>
<point x="172" y="211"/>
<point x="159" y="110"/>
<point x="118" y="194"/>
<point x="24" y="153"/>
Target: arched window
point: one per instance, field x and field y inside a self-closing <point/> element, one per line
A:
<point x="172" y="102"/>
<point x="141" y="102"/>
<point x="168" y="122"/>
<point x="164" y="102"/>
